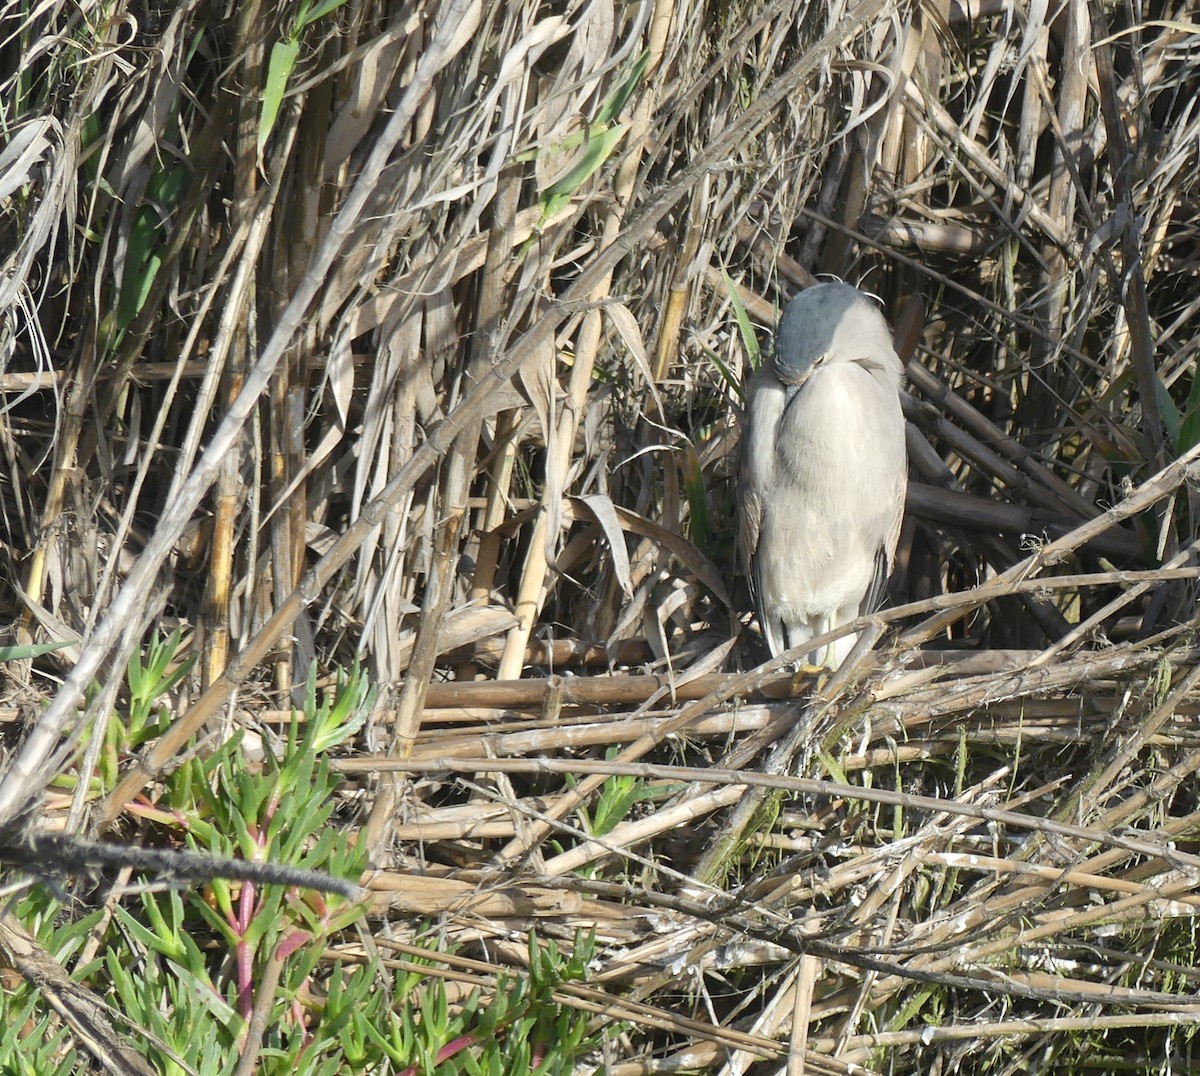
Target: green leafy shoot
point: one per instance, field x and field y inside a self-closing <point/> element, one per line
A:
<point x="33" y="650"/>
<point x="598" y="140"/>
<point x="283" y="59"/>
<point x="745" y="326"/>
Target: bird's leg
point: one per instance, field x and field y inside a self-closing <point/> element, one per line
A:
<point x="839" y="650"/>
<point x="798" y="635"/>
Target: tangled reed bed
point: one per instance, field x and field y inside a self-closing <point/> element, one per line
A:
<point x="433" y="360"/>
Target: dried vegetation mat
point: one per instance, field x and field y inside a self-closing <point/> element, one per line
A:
<point x="408" y="340"/>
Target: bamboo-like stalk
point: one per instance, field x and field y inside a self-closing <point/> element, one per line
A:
<point x="229" y="492"/>
<point x="530" y="594"/>
<point x="374" y="386"/>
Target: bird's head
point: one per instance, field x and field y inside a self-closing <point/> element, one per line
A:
<point x="830" y="323"/>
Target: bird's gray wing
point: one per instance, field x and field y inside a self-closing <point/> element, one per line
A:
<point x="750" y="515"/>
<point x="885" y="555"/>
<point x="772" y="630"/>
<point x="751" y="510"/>
<point x="764" y="405"/>
<point x="876" y="592"/>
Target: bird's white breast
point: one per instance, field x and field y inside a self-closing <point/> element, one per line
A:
<point x="835" y="477"/>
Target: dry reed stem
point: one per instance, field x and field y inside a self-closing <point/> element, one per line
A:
<point x="447" y="378"/>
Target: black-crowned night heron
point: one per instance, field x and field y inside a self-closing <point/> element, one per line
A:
<point x="823" y="470"/>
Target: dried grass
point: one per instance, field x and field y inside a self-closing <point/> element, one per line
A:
<point x="375" y="394"/>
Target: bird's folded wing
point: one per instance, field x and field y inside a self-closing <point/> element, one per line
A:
<point x="876" y="592"/>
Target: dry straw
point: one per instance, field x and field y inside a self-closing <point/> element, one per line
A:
<point x="415" y="334"/>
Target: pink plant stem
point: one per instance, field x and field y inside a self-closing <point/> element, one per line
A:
<point x="451" y="1048"/>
